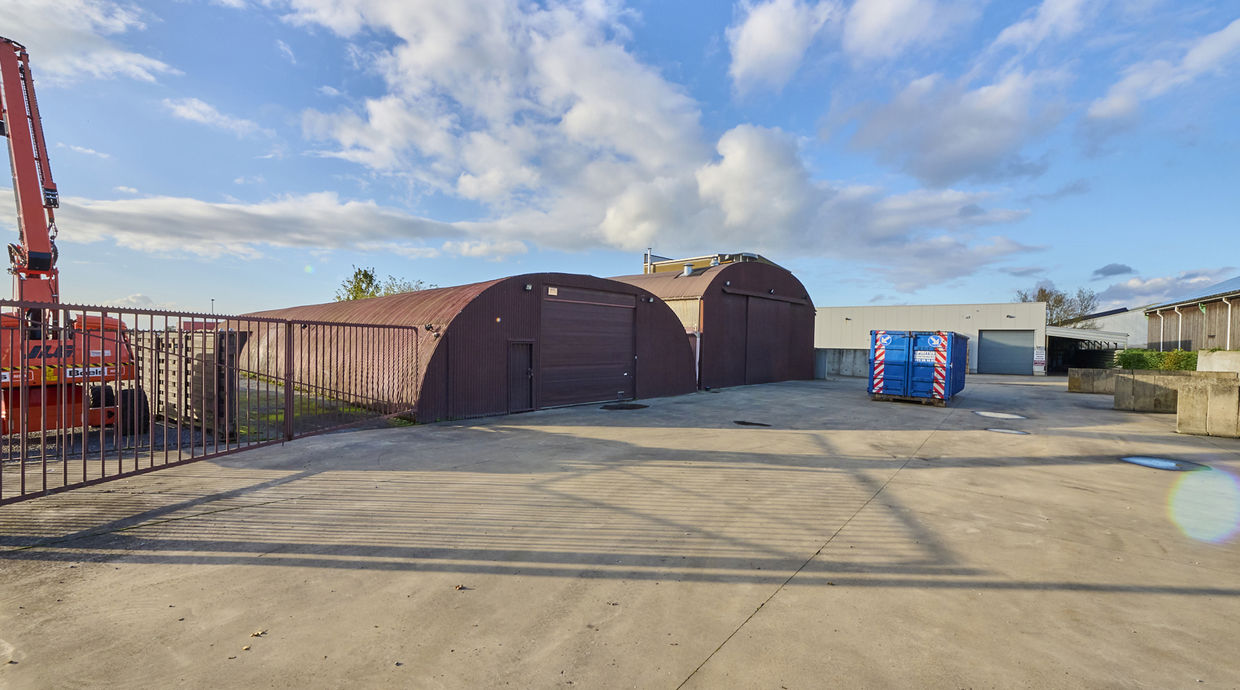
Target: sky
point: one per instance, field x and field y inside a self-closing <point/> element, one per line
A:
<point x="240" y="155"/>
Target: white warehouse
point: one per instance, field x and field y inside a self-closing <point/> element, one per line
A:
<point x="1005" y="338"/>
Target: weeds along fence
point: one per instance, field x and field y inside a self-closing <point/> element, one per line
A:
<point x="90" y="394"/>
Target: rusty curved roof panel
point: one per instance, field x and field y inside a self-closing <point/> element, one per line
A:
<point x="669" y="285"/>
<point x="434" y="306"/>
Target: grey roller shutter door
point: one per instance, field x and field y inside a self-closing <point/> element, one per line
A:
<point x="1005" y="352"/>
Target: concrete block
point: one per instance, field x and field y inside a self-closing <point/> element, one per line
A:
<point x="1191" y="409"/>
<point x="1092" y="381"/>
<point x="1223" y="410"/>
<point x="1222" y="360"/>
<point x="1124" y="382"/>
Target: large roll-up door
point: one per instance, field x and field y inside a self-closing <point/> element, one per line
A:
<point x="1005" y="352"/>
<point x="766" y="345"/>
<point x="587" y="346"/>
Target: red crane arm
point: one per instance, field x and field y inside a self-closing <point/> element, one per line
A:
<point x="34" y="260"/>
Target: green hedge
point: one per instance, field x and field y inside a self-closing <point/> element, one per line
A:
<point x="1181" y="360"/>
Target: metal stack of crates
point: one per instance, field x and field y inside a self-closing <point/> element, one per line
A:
<point x="917" y="366"/>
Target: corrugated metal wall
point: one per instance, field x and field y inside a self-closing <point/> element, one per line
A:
<point x="756" y="320"/>
<point x="461" y="363"/>
<point x="687" y="310"/>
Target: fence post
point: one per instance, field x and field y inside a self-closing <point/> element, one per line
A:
<point x="288" y="380"/>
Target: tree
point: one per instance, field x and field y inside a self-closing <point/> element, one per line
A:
<point x="365" y="283"/>
<point x="1063" y="309"/>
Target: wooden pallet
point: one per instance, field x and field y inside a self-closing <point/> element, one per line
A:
<point x="908" y="398"/>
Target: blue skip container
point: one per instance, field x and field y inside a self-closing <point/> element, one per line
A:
<point x="920" y="366"/>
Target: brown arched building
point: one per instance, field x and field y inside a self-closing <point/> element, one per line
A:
<point x="753" y="321"/>
<point x="523" y="343"/>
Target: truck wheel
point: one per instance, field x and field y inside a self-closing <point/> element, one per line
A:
<point x="135" y="411"/>
<point x="102" y="396"/>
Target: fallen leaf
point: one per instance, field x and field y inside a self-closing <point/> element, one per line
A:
<point x="259" y="633"/>
<point x="245" y="648"/>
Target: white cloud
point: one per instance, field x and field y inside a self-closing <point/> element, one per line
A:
<point x="770" y="41"/>
<point x="125" y="190"/>
<point x="195" y="110"/>
<point x="83" y="150"/>
<point x="250" y="179"/>
<point x="1053" y="19"/>
<point x="139" y="301"/>
<point x="329" y="91"/>
<point x="69" y="40"/>
<point x="177" y="225"/>
<point x="941" y="132"/>
<point x="883" y="29"/>
<point x="286" y="51"/>
<point x="1139" y="292"/>
<point x="482" y="249"/>
<point x="1148" y="80"/>
<point x="540" y="115"/>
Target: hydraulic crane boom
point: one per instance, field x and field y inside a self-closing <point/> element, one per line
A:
<point x="33" y="261"/>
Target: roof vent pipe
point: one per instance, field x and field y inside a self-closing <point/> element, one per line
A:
<point x="688" y="270"/>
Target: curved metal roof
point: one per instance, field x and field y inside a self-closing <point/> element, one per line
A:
<point x="671" y="285"/>
<point x="674" y="286"/>
<point x="437" y="306"/>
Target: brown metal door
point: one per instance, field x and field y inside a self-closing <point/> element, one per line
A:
<point x="587" y="349"/>
<point x="766" y="347"/>
<point x="520" y="377"/>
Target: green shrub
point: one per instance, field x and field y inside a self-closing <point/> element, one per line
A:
<point x="1138" y="359"/>
<point x="1181" y="360"/>
<point x="1152" y="359"/>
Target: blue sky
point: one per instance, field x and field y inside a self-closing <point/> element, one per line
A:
<point x="906" y="151"/>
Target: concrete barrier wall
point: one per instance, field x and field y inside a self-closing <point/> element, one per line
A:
<point x="1209" y="408"/>
<point x="1221" y="360"/>
<point x="841" y="362"/>
<point x="1156" y="391"/>
<point x="1092" y="381"/>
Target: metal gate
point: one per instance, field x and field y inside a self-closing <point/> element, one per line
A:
<point x="96" y="394"/>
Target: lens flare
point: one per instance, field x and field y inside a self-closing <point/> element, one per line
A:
<point x="309" y="268"/>
<point x="1206" y="505"/>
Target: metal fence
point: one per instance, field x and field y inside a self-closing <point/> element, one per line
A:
<point x="91" y="394"/>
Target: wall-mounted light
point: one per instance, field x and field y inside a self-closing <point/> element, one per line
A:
<point x="848" y="318"/>
<point x="1008" y="316"/>
<point x="528" y="287"/>
<point x="771" y="291"/>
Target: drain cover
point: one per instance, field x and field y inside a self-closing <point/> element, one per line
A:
<point x="744" y="423"/>
<point x="1165" y="463"/>
<point x="624" y="406"/>
<point x="997" y="415"/>
<point x="1009" y="431"/>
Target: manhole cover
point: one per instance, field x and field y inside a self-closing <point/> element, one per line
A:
<point x="624" y="406"/>
<point x="997" y="415"/>
<point x="1009" y="431"/>
<point x="744" y="423"/>
<point x="1165" y="463"/>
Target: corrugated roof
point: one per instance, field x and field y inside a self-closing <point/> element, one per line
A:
<point x="437" y="306"/>
<point x="671" y="285"/>
<point x="1223" y="289"/>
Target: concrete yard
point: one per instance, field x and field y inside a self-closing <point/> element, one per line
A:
<point x="849" y="544"/>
